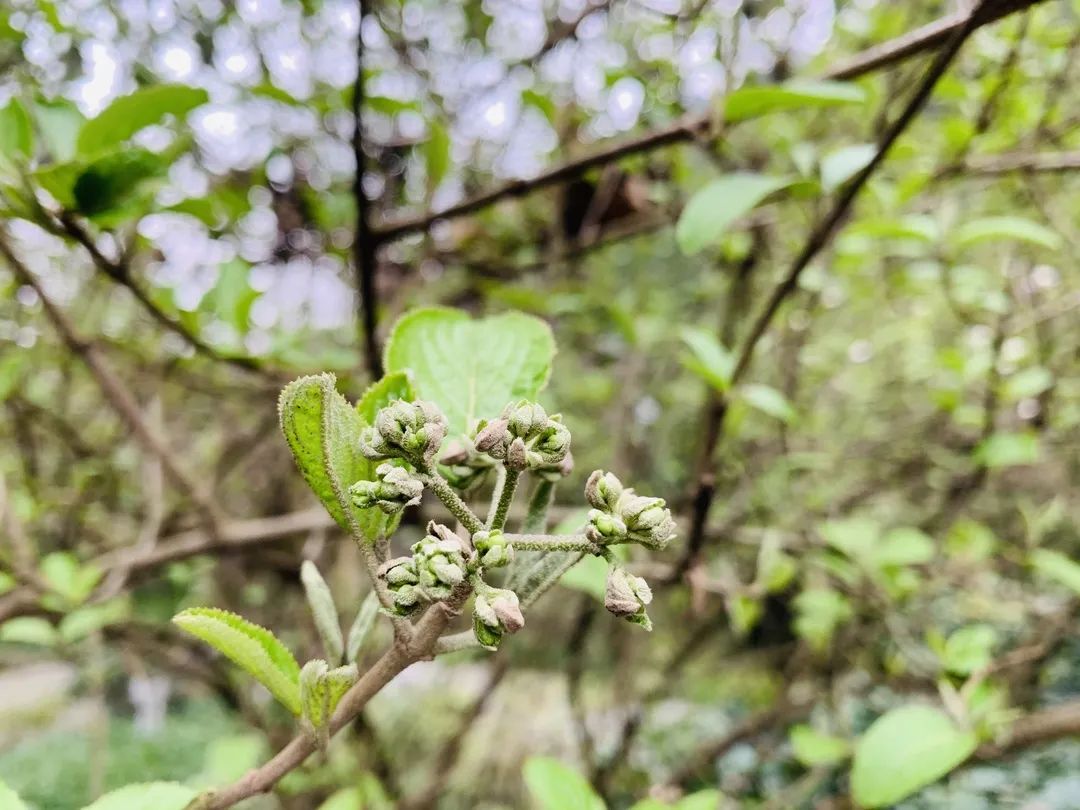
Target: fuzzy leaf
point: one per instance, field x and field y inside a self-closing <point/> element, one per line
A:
<point x="471" y="368"/>
<point x="323" y="610"/>
<point x="556" y="786"/>
<point x="323" y="432"/>
<point x="252" y="648"/>
<point x="904" y="751"/>
<point x="712" y="209"/>
<point x="321" y="689"/>
<point x="145" y="796"/>
<point x="128" y="114"/>
<point x="362" y="626"/>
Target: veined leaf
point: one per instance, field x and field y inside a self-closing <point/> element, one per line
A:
<point x="556" y="786"/>
<point x="252" y="648"/>
<point x="128" y="114"/>
<point x="750" y="102"/>
<point x="146" y="796"/>
<point x="321" y="602"/>
<point x="711" y="210"/>
<point x="323" y="432"/>
<point x="904" y="751"/>
<point x="1016" y="228"/>
<point x="471" y="368"/>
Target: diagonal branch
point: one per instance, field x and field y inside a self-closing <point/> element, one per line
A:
<point x="695" y="126"/>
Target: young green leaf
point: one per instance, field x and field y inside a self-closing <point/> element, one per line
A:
<point x="323" y="610"/>
<point x="69" y="578"/>
<point x="471" y="368"/>
<point x="29" y="630"/>
<point x="1016" y="228"/>
<point x="969" y="649"/>
<point x="378" y="395"/>
<point x="840" y="166"/>
<point x="146" y="796"/>
<point x="1051" y="564"/>
<point x="769" y="401"/>
<point x="252" y="648"/>
<point x="362" y="627"/>
<point x="128" y="114"/>
<point x="750" y="102"/>
<point x="436" y="153"/>
<point x="904" y="751"/>
<point x="16" y="134"/>
<point x="712" y="209"/>
<point x="1008" y="450"/>
<point x="321" y="689"/>
<point x="556" y="786"/>
<point x="813" y="749"/>
<point x="323" y="432"/>
<point x="710" y="360"/>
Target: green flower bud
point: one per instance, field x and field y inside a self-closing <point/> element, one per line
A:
<point x="442" y="561"/>
<point x="409" y="430"/>
<point x="496" y="612"/>
<point x="552" y="444"/>
<point x="402" y="579"/>
<point x="555" y="472"/>
<point x="393" y="490"/>
<point x="627" y="596"/>
<point x="517" y="456"/>
<point x="524" y="418"/>
<point x="604" y="528"/>
<point x="492" y="438"/>
<point x="494" y="549"/>
<point x="647" y="520"/>
<point x="602" y="491"/>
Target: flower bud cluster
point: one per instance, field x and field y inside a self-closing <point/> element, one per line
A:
<point x="462" y="466"/>
<point x="496" y="612"/>
<point x="440" y="562"/>
<point x="394" y="489"/>
<point x="524" y="437"/>
<point x="627" y="596"/>
<point x="619" y="515"/>
<point x="409" y="430"/>
<point x="494" y="549"/>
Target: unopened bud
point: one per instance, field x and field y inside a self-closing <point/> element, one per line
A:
<point x="394" y="489"/>
<point x="627" y="596"/>
<point x="492" y="438"/>
<point x="602" y="490"/>
<point x="604" y="528"/>
<point x="496" y="612"/>
<point x="410" y="430"/>
<point x="402" y="580"/>
<point x="442" y="561"/>
<point x="524" y="418"/>
<point x="494" y="549"/>
<point x="517" y="455"/>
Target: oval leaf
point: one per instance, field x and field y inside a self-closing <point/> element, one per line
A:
<point x="128" y="114"/>
<point x="813" y="749"/>
<point x="556" y="786"/>
<point x="321" y="602"/>
<point x="715" y="207"/>
<point x="904" y="751"/>
<point x="252" y="648"/>
<point x="471" y="368"/>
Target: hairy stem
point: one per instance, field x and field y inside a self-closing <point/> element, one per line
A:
<point x="451" y="500"/>
<point x="555" y="542"/>
<point x="507" y="486"/>
<point x="539" y="503"/>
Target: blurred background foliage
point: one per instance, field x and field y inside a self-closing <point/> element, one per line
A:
<point x="880" y="511"/>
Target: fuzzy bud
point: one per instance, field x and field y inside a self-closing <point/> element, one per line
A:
<point x="602" y="490"/>
<point x="492" y="438"/>
<point x="496" y="612"/>
<point x="442" y="561"/>
<point x="604" y="528"/>
<point x="494" y="549"/>
<point x="648" y="521"/>
<point x="409" y="430"/>
<point x="627" y="596"/>
<point x="517" y="456"/>
<point x="524" y="418"/>
<point x="402" y="580"/>
<point x="393" y="490"/>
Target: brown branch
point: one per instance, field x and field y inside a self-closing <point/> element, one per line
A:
<point x="819" y="237"/>
<point x="117" y="394"/>
<point x="120" y="273"/>
<point x="365" y="243"/>
<point x="692" y="127"/>
<point x="1009" y="162"/>
<point x="1036" y="728"/>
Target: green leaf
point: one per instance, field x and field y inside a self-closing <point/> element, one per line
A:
<point x="128" y="114"/>
<point x="840" y="166"/>
<point x="323" y="610"/>
<point x="1028" y="382"/>
<point x="969" y="649"/>
<point x="702" y="800"/>
<point x="1051" y="564"/>
<point x="16" y="134"/>
<point x="9" y="799"/>
<point x="904" y="751"/>
<point x="818" y="614"/>
<point x="378" y="395"/>
<point x="146" y="796"/>
<point x="813" y="749"/>
<point x="68" y="577"/>
<point x="252" y="648"/>
<point x="58" y="122"/>
<point x="712" y="209"/>
<point x="117" y="180"/>
<point x="436" y="153"/>
<point x="471" y="368"/>
<point x="556" y="786"/>
<point x="362" y="627"/>
<point x="750" y="102"/>
<point x="1008" y="450"/>
<point x="29" y="630"/>
<point x="710" y="360"/>
<point x="904" y="545"/>
<point x="918" y="227"/>
<point x="769" y="401"/>
<point x="1017" y="228"/>
<point x="323" y="432"/>
<point x="86" y="620"/>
